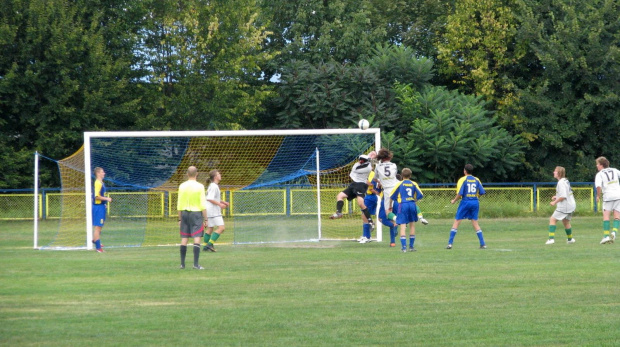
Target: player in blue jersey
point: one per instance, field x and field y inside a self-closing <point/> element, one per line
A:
<point x="406" y="193"/>
<point x="468" y="189"/>
<point x="370" y="200"/>
<point x="390" y="223"/>
<point x="100" y="202"/>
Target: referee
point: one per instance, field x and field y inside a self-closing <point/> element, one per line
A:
<point x="192" y="207"/>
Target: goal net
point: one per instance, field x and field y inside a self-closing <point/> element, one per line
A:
<point x="281" y="185"/>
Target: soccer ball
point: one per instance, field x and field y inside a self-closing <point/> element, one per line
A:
<point x="363" y="124"/>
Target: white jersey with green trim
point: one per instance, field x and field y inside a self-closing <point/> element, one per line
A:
<point x="607" y="179"/>
<point x="386" y="172"/>
<point x="563" y="190"/>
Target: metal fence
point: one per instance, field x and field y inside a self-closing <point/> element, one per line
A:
<point x="501" y="199"/>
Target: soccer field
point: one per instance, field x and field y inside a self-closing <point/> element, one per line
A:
<point x="519" y="291"/>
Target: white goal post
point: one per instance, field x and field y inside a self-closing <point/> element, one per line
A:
<point x="111" y="137"/>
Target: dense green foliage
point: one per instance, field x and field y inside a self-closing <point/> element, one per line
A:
<point x="550" y="68"/>
<point x="546" y="70"/>
<point x="446" y="129"/>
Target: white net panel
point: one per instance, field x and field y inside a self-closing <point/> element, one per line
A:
<point x="270" y="181"/>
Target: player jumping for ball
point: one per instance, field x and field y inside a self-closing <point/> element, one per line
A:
<point x="357" y="189"/>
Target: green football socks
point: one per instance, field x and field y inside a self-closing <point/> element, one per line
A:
<point x="569" y="233"/>
<point x="214" y="237"/>
<point x="606" y="228"/>
<point x="552" y="231"/>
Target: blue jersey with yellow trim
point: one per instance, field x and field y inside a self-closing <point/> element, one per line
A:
<point x="99" y="191"/>
<point x="373" y="184"/>
<point x="469" y="188"/>
<point x="406" y="191"/>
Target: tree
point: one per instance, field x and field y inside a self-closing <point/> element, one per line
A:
<point x="318" y="31"/>
<point x="568" y="100"/>
<point x="204" y="58"/>
<point x="449" y="129"/>
<point x="57" y="79"/>
<point x="479" y="49"/>
<point x="332" y="95"/>
<point x="416" y="24"/>
<point x="394" y="63"/>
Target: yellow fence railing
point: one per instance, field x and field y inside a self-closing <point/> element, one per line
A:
<point x="498" y="201"/>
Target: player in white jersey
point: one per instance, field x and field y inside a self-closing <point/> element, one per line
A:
<point x="385" y="173"/>
<point x="214" y="210"/>
<point x="565" y="205"/>
<point x="357" y="189"/>
<point x="606" y="183"/>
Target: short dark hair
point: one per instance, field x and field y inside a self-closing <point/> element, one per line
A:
<point x="469" y="168"/>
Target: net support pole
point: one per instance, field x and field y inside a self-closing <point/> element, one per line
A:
<point x="88" y="192"/>
<point x="318" y="190"/>
<point x="36" y="200"/>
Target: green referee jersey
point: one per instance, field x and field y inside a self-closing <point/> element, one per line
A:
<point x="191" y="196"/>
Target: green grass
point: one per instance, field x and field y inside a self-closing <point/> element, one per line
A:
<point x="517" y="292"/>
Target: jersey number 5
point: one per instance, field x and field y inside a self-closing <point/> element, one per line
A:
<point x="387" y="172"/>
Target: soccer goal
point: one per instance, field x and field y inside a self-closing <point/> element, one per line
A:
<point x="281" y="184"/>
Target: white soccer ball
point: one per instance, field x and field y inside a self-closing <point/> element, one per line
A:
<point x="363" y="124"/>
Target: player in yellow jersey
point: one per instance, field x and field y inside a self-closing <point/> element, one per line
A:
<point x="192" y="208"/>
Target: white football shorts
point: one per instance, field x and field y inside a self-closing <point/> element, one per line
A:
<point x="561" y="215"/>
<point x="613" y="205"/>
<point x="215" y="221"/>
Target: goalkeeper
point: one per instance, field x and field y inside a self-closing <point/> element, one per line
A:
<point x="357" y="189"/>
